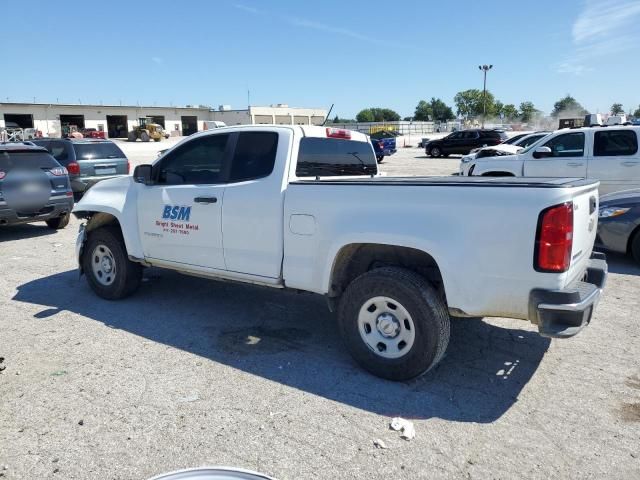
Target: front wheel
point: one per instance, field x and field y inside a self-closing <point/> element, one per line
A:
<point x="144" y="136"/>
<point x="110" y="273"/>
<point x="394" y="323"/>
<point x="380" y="158"/>
<point x="435" y="152"/>
<point x="635" y="246"/>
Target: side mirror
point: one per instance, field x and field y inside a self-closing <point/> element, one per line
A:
<point x="143" y="174"/>
<point x="542" y="152"/>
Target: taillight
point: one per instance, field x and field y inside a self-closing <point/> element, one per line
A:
<point x="73" y="168"/>
<point x="59" y="171"/>
<point x="2" y="174"/>
<point x="381" y="145"/>
<point x="554" y="239"/>
<point x="128" y="167"/>
<point x="338" y="133"/>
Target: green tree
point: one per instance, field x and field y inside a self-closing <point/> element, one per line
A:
<point x="569" y="105"/>
<point x="440" y="111"/>
<point x="616" y="109"/>
<point x="423" y="112"/>
<point x="469" y="103"/>
<point x="636" y="114"/>
<point x="365" y="115"/>
<point x="510" y="111"/>
<point x="528" y="111"/>
<point x="375" y="114"/>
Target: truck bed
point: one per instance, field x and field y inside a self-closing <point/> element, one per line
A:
<point x="531" y="182"/>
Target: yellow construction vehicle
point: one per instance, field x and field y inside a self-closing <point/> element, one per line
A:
<point x="146" y="130"/>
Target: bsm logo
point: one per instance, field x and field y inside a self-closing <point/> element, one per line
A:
<point x="176" y="212"/>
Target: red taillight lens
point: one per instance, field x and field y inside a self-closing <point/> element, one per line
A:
<point x="128" y="167"/>
<point x="338" y="133"/>
<point x="381" y="145"/>
<point x="73" y="168"/>
<point x="554" y="239"/>
<point x="59" y="171"/>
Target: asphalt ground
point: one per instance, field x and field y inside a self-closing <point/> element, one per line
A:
<point x="191" y="372"/>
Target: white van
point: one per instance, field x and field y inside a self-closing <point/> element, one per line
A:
<point x="212" y="124"/>
<point x="608" y="154"/>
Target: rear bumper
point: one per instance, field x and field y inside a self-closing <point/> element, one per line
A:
<point x="82" y="184"/>
<point x="54" y="208"/>
<point x="564" y="313"/>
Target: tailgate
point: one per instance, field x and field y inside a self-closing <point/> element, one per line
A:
<point x="585" y="223"/>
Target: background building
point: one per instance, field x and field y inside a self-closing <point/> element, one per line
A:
<point x="116" y="121"/>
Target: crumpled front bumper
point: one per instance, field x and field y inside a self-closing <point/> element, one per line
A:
<point x="564" y="313"/>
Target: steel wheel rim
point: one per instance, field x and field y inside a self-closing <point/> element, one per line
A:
<point x="386" y="327"/>
<point x="103" y="265"/>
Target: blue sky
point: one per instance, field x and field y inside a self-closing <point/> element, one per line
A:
<point x="352" y="53"/>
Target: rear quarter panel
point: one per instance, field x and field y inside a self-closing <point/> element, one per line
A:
<point x="482" y="238"/>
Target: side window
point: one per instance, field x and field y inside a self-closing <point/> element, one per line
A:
<point x="471" y="135"/>
<point x="567" y="145"/>
<point x="455" y="136"/>
<point x="615" y="142"/>
<point x="254" y="156"/>
<point x="60" y="152"/>
<point x="200" y="161"/>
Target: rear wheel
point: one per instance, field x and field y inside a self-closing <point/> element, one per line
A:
<point x="380" y="158"/>
<point x="59" y="222"/>
<point x="144" y="136"/>
<point x="435" y="152"/>
<point x="110" y="273"/>
<point x="635" y="246"/>
<point x="394" y="323"/>
<point x="131" y="136"/>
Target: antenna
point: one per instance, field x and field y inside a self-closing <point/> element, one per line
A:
<point x="328" y="113"/>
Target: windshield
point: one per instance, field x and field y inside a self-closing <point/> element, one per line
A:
<point x="90" y="151"/>
<point x="534" y="144"/>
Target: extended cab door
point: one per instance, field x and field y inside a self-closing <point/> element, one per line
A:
<point x="615" y="160"/>
<point x="252" y="219"/>
<point x="568" y="157"/>
<point x="180" y="215"/>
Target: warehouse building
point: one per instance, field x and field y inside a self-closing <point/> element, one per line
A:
<point x="116" y="121"/>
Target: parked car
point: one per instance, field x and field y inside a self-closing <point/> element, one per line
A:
<point x="34" y="187"/>
<point x="607" y="154"/>
<point x="384" y="144"/>
<point x="463" y="141"/>
<point x="619" y="223"/>
<point x="88" y="160"/>
<point x="505" y="148"/>
<point x="92" y="133"/>
<point x="303" y="209"/>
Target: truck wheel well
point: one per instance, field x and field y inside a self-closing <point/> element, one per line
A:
<point x="498" y="174"/>
<point x="100" y="219"/>
<point x="355" y="259"/>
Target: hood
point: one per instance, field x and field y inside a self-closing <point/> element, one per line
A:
<point x="501" y="156"/>
<point x="624" y="197"/>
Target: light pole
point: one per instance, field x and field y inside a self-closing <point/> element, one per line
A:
<point x="485" y="69"/>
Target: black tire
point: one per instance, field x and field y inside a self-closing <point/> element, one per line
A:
<point x="634" y="246"/>
<point x="127" y="275"/>
<point x="144" y="136"/>
<point x="435" y="152"/>
<point x="58" y="223"/>
<point x="416" y="296"/>
<point x="380" y="158"/>
<point x="131" y="136"/>
<point x="157" y="139"/>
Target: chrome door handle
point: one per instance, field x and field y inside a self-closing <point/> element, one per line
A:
<point x="574" y="164"/>
<point x="205" y="200"/>
<point x="629" y="164"/>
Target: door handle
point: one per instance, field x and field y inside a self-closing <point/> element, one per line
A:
<point x="205" y="200"/>
<point x="629" y="164"/>
<point x="575" y="164"/>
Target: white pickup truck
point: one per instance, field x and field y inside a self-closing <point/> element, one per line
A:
<point x="303" y="208"/>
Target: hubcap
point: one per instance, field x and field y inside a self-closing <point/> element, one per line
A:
<point x="103" y="265"/>
<point x="386" y="327"/>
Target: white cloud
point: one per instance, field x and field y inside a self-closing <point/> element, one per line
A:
<point x="603" y="28"/>
<point x="157" y="60"/>
<point x="247" y="9"/>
